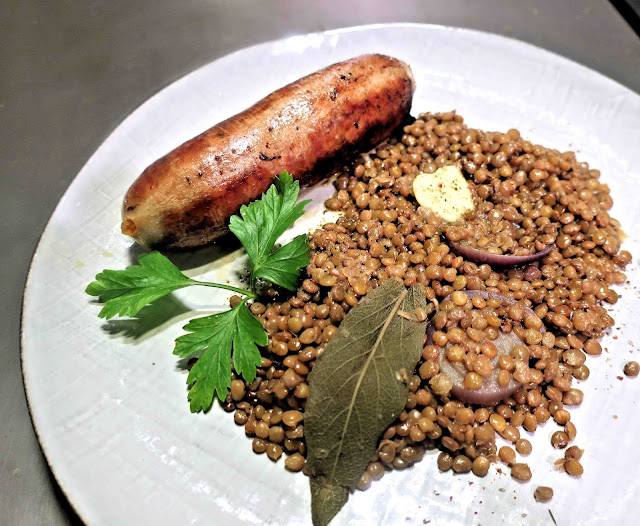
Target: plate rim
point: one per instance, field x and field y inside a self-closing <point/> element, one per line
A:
<point x="73" y="500"/>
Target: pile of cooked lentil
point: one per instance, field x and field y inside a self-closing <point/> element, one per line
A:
<point x="527" y="197"/>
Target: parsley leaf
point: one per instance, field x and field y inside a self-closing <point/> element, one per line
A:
<point x="229" y="336"/>
<point x="284" y="265"/>
<point x="216" y="335"/>
<point x="125" y="292"/>
<point x="262" y="222"/>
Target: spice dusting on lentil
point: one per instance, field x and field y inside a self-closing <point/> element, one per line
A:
<point x="526" y="197"/>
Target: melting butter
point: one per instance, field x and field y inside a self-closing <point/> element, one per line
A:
<point x="445" y="192"/>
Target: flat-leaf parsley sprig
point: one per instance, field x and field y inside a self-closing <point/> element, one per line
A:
<point x="233" y="333"/>
<point x="259" y="226"/>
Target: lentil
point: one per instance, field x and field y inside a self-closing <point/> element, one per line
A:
<point x="274" y="451"/>
<point x="461" y="464"/>
<point x="364" y="482"/>
<point x="480" y="466"/>
<point x="573" y="468"/>
<point x="574" y="452"/>
<point x="507" y="455"/>
<point x="259" y="445"/>
<point x="631" y="368"/>
<point x="543" y="494"/>
<point x="521" y="472"/>
<point x="294" y="462"/>
<point x="445" y="461"/>
<point x="528" y="197"/>
<point x="559" y="439"/>
<point x="523" y="446"/>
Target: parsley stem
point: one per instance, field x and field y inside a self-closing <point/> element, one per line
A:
<point x="244" y="292"/>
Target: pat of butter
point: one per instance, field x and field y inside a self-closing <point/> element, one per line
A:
<point x="445" y="192"/>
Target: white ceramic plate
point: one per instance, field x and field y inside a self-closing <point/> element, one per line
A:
<point x="109" y="399"/>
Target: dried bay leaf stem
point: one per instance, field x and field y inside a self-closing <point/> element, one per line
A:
<point x="357" y="388"/>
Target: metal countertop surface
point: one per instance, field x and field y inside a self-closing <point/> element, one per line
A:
<point x="72" y="70"/>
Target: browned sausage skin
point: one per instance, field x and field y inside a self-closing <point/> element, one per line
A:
<point x="308" y="127"/>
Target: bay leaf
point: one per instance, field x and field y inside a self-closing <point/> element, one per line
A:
<point x="357" y="388"/>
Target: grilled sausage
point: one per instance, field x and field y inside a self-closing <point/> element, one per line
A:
<point x="309" y="127"/>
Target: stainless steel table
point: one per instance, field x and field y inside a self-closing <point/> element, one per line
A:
<point x="71" y="70"/>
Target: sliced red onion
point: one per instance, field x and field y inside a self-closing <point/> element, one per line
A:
<point x="491" y="391"/>
<point x="478" y="255"/>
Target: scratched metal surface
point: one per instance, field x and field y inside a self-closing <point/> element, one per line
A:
<point x="71" y="71"/>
